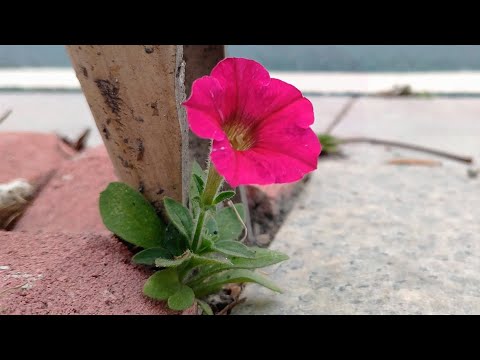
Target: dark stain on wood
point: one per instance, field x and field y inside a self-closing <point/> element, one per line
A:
<point x="125" y="163"/>
<point x="155" y="109"/>
<point x="140" y="150"/>
<point x="110" y="93"/>
<point x="106" y="133"/>
<point x="84" y="71"/>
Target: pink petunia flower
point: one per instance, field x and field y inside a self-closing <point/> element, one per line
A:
<point x="260" y="126"/>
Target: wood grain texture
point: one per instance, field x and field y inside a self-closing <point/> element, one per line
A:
<point x="135" y="94"/>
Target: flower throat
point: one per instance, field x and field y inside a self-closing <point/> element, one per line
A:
<point x="239" y="135"/>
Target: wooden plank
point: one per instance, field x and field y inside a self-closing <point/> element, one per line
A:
<point x="135" y="94"/>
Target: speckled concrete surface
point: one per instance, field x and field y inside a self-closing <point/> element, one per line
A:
<point x="372" y="238"/>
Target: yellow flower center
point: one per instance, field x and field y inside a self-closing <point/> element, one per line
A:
<point x="239" y="135"/>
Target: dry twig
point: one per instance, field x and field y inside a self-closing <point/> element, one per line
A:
<point x="80" y="143"/>
<point x="5" y="115"/>
<point x="444" y="154"/>
<point x="230" y="306"/>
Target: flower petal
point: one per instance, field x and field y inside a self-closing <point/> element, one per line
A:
<point x="287" y="132"/>
<point x="275" y="115"/>
<point x="204" y="108"/>
<point x="263" y="166"/>
<point x="241" y="79"/>
<point x="250" y="94"/>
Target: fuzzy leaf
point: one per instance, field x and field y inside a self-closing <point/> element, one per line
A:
<point x="148" y="256"/>
<point x="175" y="242"/>
<point x="211" y="226"/>
<point x="208" y="260"/>
<point x="197" y="172"/>
<point x="229" y="227"/>
<point x="234" y="248"/>
<point x="162" y="284"/>
<point x="224" y="195"/>
<point x="182" y="299"/>
<point x="129" y="215"/>
<point x="199" y="183"/>
<point x="161" y="262"/>
<point x="263" y="258"/>
<point x="233" y="276"/>
<point x="208" y="242"/>
<point x="179" y="216"/>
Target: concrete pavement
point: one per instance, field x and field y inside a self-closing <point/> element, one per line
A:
<point x="368" y="237"/>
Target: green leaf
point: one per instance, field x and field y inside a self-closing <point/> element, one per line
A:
<point x="194" y="195"/>
<point x="182" y="299"/>
<point x="194" y="204"/>
<point x="208" y="242"/>
<point x="234" y="248"/>
<point x="197" y="170"/>
<point x="199" y="183"/>
<point x="211" y="226"/>
<point x="148" y="256"/>
<point x="229" y="227"/>
<point x="162" y="284"/>
<point x="208" y="260"/>
<point x="179" y="216"/>
<point x="175" y="242"/>
<point x="224" y="195"/>
<point x="161" y="262"/>
<point x="263" y="258"/>
<point x="329" y="144"/>
<point x="233" y="276"/>
<point x="207" y="310"/>
<point x="129" y="215"/>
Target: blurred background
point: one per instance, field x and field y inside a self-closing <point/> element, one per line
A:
<point x="371" y="58"/>
<point x="422" y="82"/>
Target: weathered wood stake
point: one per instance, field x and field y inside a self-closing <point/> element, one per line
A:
<point x="135" y="94"/>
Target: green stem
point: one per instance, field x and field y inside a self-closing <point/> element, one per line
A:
<point x="198" y="231"/>
<point x="214" y="182"/>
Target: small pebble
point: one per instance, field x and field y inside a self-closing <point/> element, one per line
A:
<point x="4" y="268"/>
